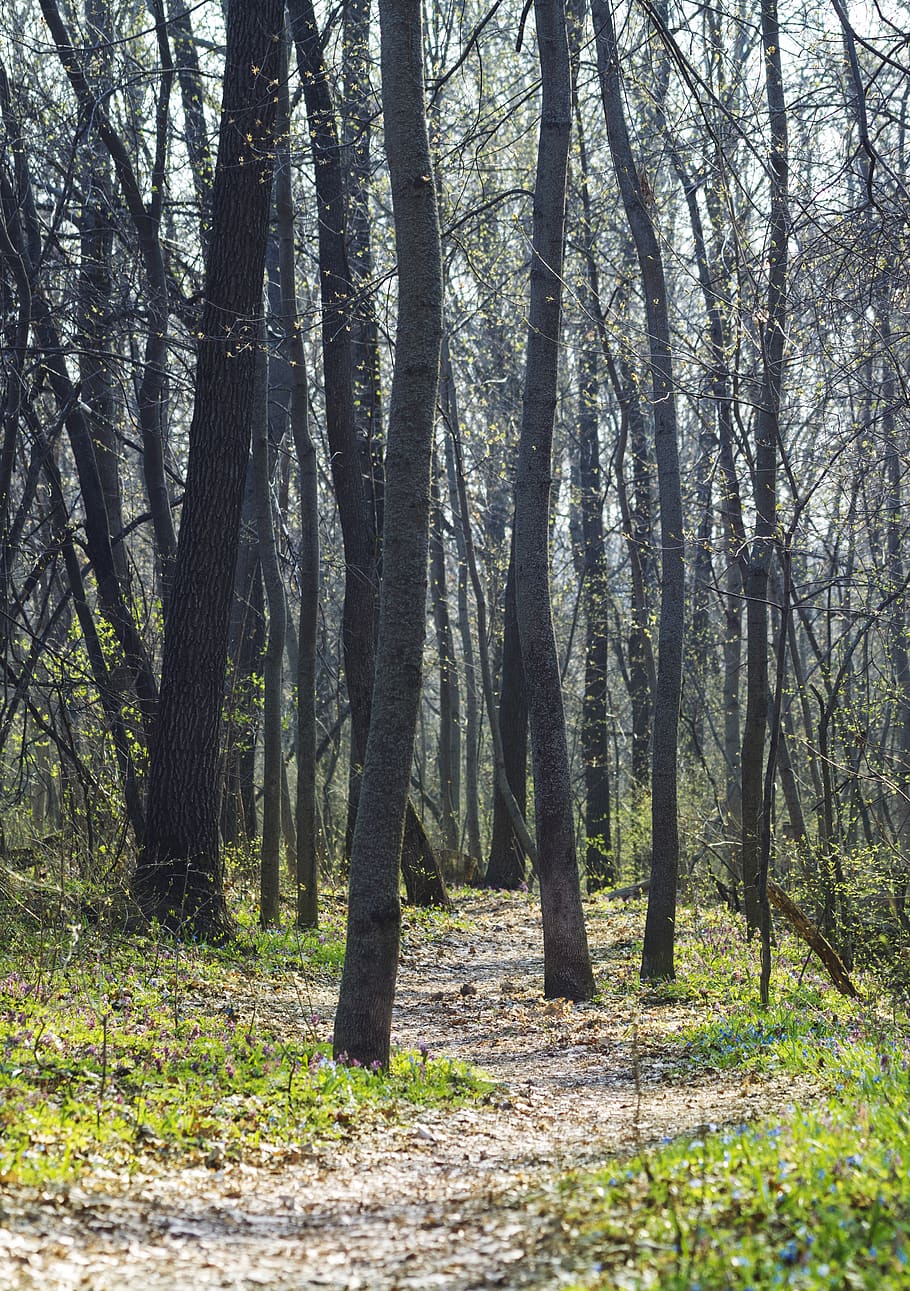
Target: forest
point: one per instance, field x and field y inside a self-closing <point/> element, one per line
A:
<point x="454" y="644"/>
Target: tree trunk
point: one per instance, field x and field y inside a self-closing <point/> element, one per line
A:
<point x="472" y="705"/>
<point x="352" y="488"/>
<point x="767" y="434"/>
<point x="272" y="672"/>
<point x="592" y="558"/>
<point x="357" y="113"/>
<point x="195" y="132"/>
<point x="657" y="957"/>
<point x="152" y="395"/>
<point x="449" y="746"/>
<point x="179" y="878"/>
<point x="506" y="866"/>
<point x="567" y="964"/>
<point x="364" y="1018"/>
<point x="246" y="642"/>
<point x="308" y="561"/>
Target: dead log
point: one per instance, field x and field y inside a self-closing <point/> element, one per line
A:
<point x="804" y="927"/>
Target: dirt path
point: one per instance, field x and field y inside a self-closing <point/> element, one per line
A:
<point x="441" y="1199"/>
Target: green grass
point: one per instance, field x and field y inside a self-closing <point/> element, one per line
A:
<point x="821" y="1201"/>
<point x="119" y="1054"/>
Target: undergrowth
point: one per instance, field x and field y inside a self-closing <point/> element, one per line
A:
<point x="116" y="1054"/>
<point x="820" y="1201"/>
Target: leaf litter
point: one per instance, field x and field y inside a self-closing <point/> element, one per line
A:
<point x="454" y="1198"/>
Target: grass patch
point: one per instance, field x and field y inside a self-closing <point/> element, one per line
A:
<point x="822" y="1201"/>
<point x="118" y="1054"/>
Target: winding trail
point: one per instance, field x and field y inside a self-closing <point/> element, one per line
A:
<point x="438" y="1199"/>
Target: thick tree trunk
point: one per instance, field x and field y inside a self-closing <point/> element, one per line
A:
<point x="657" y="957"/>
<point x="567" y="964"/>
<point x="364" y="1018"/>
<point x="179" y="878"/>
<point x="357" y="503"/>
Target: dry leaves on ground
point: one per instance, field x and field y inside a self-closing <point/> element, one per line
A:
<point x="439" y="1198"/>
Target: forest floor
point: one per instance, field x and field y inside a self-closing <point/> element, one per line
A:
<point x="451" y="1197"/>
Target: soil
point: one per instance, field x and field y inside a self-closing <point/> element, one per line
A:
<point x="451" y="1199"/>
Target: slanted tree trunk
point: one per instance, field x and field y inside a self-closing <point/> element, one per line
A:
<point x="179" y="878"/>
<point x="24" y="238"/>
<point x="567" y="964"/>
<point x="363" y="1021"/>
<point x="352" y="487"/>
<point x="636" y="517"/>
<point x="94" y="310"/>
<point x="449" y="401"/>
<point x="449" y="745"/>
<point x="357" y="118"/>
<point x="657" y="957"/>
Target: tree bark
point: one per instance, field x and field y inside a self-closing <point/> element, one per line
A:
<point x="592" y="561"/>
<point x="449" y="402"/>
<point x="506" y="865"/>
<point x="767" y="435"/>
<point x="195" y="129"/>
<point x="179" y="878"/>
<point x="364" y="1018"/>
<point x="567" y="964"/>
<point x="152" y="396"/>
<point x="449" y="745"/>
<point x="352" y="488"/>
<point x="272" y="671"/>
<point x="657" y="957"/>
<point x="308" y="559"/>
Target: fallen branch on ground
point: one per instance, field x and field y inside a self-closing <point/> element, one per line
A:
<point x="805" y="928"/>
<point x="624" y="894"/>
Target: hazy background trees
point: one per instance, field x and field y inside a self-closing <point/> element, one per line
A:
<point x="106" y="192"/>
